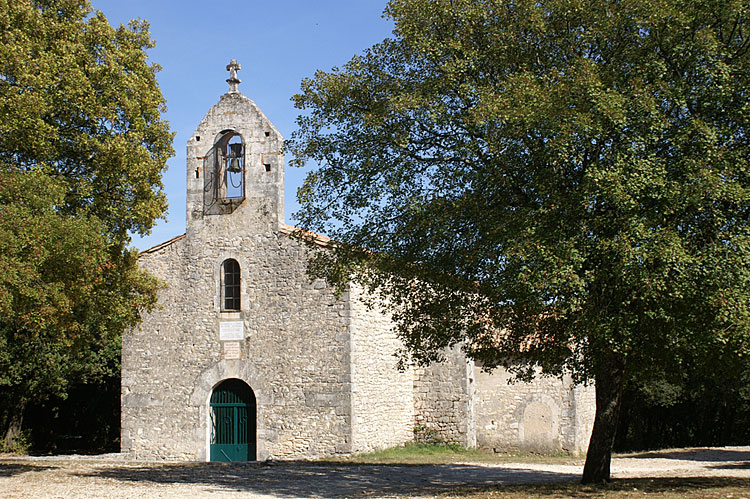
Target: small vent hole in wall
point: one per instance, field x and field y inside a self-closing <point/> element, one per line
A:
<point x="268" y="167"/>
<point x="268" y="134"/>
<point x="197" y="173"/>
<point x="197" y="138"/>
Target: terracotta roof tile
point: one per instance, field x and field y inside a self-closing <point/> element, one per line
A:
<point x="318" y="239"/>
<point x="154" y="249"/>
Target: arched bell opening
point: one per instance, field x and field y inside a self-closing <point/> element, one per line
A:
<point x="233" y="158"/>
<point x="224" y="181"/>
<point x="233" y="422"/>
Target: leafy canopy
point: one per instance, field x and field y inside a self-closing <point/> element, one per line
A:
<point x="65" y="295"/>
<point x="561" y="183"/>
<point x="80" y="102"/>
<point x="82" y="149"/>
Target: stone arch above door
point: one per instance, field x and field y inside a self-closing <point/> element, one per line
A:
<point x="203" y="388"/>
<point x="241" y="369"/>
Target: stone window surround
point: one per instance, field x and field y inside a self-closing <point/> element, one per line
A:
<point x="219" y="291"/>
<point x="224" y="285"/>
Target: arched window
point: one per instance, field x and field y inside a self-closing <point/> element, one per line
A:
<point x="230" y="284"/>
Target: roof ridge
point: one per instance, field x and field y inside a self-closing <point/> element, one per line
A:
<point x="318" y="239"/>
<point x="154" y="249"/>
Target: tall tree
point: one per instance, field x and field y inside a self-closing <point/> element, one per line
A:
<point x="82" y="149"/>
<point x="559" y="185"/>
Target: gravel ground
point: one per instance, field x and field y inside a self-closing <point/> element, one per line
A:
<point x="111" y="476"/>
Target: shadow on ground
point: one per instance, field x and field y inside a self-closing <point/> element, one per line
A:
<point x="676" y="485"/>
<point x="704" y="454"/>
<point x="731" y="466"/>
<point x="626" y="488"/>
<point x="10" y="469"/>
<point x="305" y="479"/>
<point x="315" y="479"/>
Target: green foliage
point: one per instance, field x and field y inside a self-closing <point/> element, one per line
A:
<point x="424" y="435"/>
<point x="420" y="448"/>
<point x="417" y="452"/>
<point x="20" y="445"/>
<point x="86" y="421"/>
<point x="82" y="148"/>
<point x="571" y="171"/>
<point x="695" y="408"/>
<point x="80" y="102"/>
<point x="560" y="185"/>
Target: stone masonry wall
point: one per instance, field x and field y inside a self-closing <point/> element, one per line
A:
<point x="382" y="396"/>
<point x="548" y="415"/>
<point x="145" y="391"/>
<point x="584" y="400"/>
<point x="263" y="207"/>
<point x="444" y="401"/>
<point x="288" y="342"/>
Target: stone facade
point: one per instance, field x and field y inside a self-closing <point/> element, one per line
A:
<point x="322" y="367"/>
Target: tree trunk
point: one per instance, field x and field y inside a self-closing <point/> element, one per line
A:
<point x="15" y="424"/>
<point x="609" y="389"/>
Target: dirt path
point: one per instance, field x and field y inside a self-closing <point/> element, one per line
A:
<point x="112" y="477"/>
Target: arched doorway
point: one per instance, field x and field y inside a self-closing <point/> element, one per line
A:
<point x="233" y="423"/>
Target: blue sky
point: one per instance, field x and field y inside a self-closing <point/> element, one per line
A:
<point x="278" y="43"/>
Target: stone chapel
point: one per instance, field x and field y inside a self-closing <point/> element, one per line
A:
<point x="246" y="359"/>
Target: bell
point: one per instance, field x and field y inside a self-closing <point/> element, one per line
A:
<point x="235" y="150"/>
<point x="234" y="165"/>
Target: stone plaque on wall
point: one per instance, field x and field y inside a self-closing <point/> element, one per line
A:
<point x="231" y="330"/>
<point x="232" y="350"/>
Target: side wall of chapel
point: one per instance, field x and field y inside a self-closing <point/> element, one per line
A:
<point x="382" y="395"/>
<point x="444" y="401"/>
<point x="458" y="402"/>
<point x="547" y="415"/>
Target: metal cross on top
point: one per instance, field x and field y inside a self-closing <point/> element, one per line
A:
<point x="233" y="81"/>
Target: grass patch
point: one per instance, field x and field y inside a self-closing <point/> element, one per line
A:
<point x="663" y="488"/>
<point x="424" y="453"/>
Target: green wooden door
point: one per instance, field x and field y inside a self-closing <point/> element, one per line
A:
<point x="233" y="422"/>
